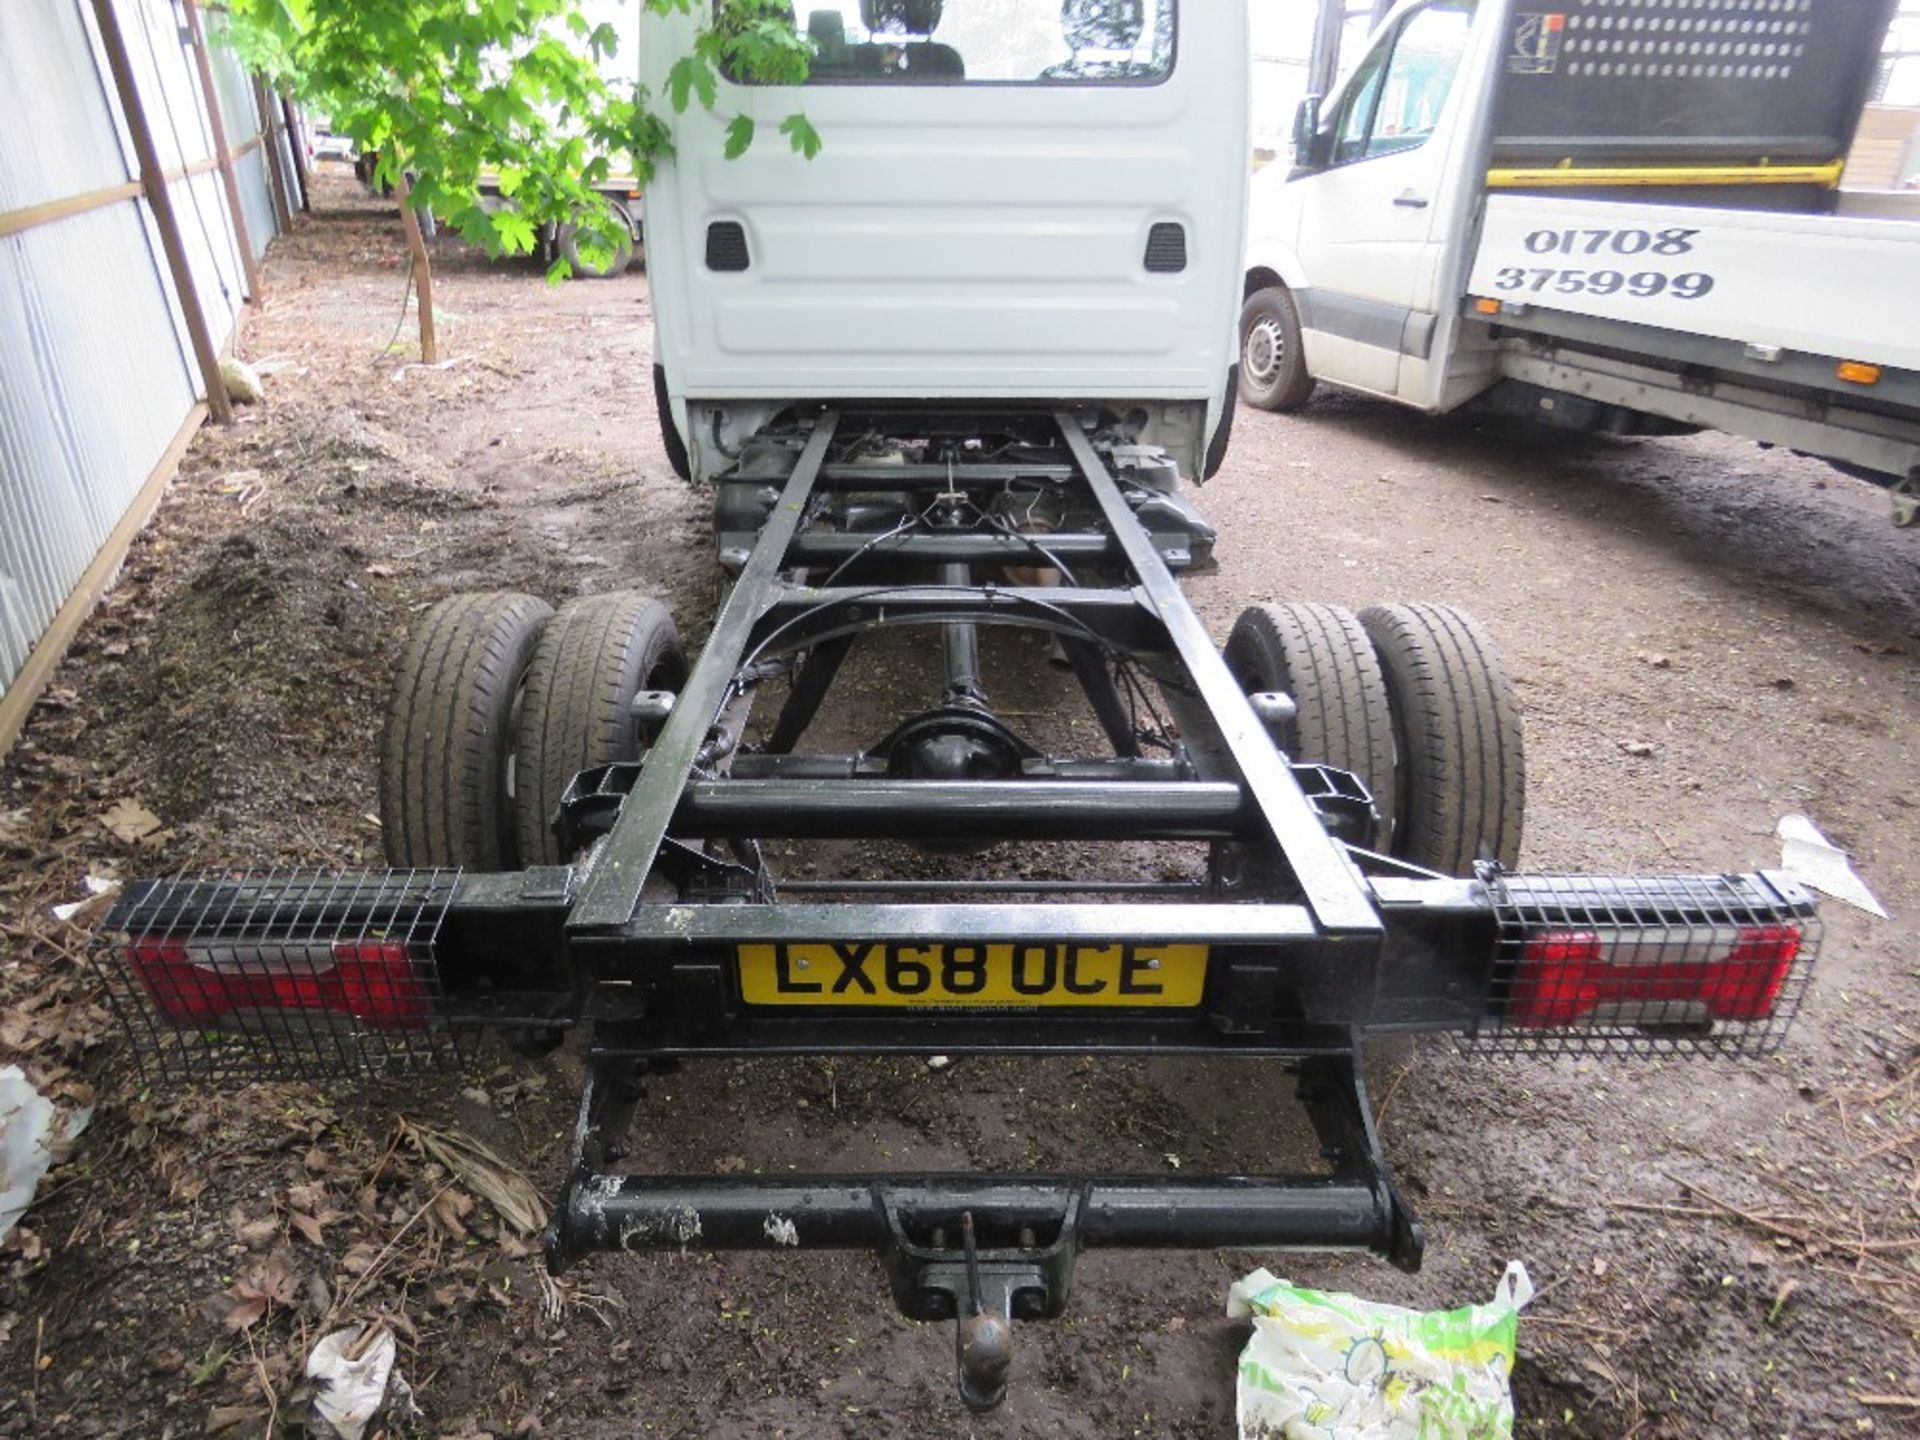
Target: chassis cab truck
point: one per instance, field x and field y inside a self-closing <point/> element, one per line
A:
<point x="1610" y="216"/>
<point x="953" y="377"/>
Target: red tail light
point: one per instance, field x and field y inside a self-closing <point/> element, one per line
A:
<point x="1565" y="976"/>
<point x="373" y="981"/>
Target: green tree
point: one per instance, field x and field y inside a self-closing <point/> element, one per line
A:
<point x="448" y="91"/>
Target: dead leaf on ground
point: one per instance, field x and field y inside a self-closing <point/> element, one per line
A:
<point x="255" y="1234"/>
<point x="310" y="1197"/>
<point x="512" y="1196"/>
<point x="130" y="821"/>
<point x="223" y="1418"/>
<point x="234" y="1310"/>
<point x="450" y="1207"/>
<point x="262" y="1285"/>
<point x="187" y="1188"/>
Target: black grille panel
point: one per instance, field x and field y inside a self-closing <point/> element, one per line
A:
<point x="1167" y="248"/>
<point x="727" y="246"/>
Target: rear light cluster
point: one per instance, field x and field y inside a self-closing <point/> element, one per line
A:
<point x="374" y="982"/>
<point x="1651" y="976"/>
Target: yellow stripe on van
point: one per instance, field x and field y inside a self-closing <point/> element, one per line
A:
<point x="1568" y="176"/>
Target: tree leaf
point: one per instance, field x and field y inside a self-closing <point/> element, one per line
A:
<point x="513" y="231"/>
<point x="801" y="134"/>
<point x="680" y="81"/>
<point x="739" y="136"/>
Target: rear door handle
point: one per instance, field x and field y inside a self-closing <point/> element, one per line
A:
<point x="1410" y="200"/>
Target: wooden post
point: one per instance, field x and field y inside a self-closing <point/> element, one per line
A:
<point x="296" y="142"/>
<point x="154" y="181"/>
<point x="248" y="265"/>
<point x="276" y="169"/>
<point x="422" y="267"/>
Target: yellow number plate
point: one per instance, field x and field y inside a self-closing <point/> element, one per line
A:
<point x="973" y="976"/>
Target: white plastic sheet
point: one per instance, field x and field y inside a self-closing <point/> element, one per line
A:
<point x="1326" y="1366"/>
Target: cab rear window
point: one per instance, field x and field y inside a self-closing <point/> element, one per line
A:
<point x="997" y="42"/>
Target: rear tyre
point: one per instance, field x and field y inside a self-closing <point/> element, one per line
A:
<point x="1320" y="655"/>
<point x="670" y="438"/>
<point x="1463" y="783"/>
<point x="444" y="759"/>
<point x="589" y="269"/>
<point x="578" y="711"/>
<point x="1273" y="365"/>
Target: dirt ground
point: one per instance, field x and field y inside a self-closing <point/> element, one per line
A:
<point x="1707" y="637"/>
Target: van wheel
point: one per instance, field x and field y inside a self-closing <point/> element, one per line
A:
<point x="595" y="656"/>
<point x="587" y="269"/>
<point x="670" y="439"/>
<point x="1320" y="655"/>
<point x="1273" y="366"/>
<point x="445" y="756"/>
<point x="1463" y="778"/>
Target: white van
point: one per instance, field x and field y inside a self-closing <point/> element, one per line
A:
<point x="1613" y="217"/>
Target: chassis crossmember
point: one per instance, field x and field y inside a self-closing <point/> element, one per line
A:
<point x="670" y="935"/>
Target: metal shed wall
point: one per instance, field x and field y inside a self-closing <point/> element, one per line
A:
<point x="96" y="375"/>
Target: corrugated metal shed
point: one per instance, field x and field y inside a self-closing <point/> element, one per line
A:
<point x="96" y="375"/>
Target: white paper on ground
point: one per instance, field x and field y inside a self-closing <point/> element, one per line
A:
<point x="31" y="1139"/>
<point x="1812" y="859"/>
<point x="350" y="1376"/>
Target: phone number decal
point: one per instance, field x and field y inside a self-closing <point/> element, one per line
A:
<point x="1675" y="241"/>
<point x="1642" y="284"/>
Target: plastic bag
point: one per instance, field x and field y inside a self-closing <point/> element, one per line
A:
<point x="1334" y="1367"/>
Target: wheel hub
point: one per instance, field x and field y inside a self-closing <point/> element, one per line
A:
<point x="1265" y="349"/>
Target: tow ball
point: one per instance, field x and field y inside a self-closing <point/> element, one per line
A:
<point x="983" y="1291"/>
<point x="983" y="1338"/>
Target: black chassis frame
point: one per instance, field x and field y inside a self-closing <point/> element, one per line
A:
<point x="1314" y="940"/>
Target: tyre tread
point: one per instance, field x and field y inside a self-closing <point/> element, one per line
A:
<point x="1463" y="744"/>
<point x="593" y="657"/>
<point x="444" y="746"/>
<point x="1323" y="658"/>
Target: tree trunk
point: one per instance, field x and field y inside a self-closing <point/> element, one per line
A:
<point x="422" y="268"/>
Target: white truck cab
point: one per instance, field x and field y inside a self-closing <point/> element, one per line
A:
<point x="1015" y="200"/>
<point x="1619" y="216"/>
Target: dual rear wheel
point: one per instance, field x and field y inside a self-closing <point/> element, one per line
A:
<point x="1415" y="701"/>
<point x="497" y="702"/>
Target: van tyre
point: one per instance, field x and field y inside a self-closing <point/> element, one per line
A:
<point x="617" y="265"/>
<point x="670" y="438"/>
<point x="1463" y="784"/>
<point x="448" y="744"/>
<point x="1320" y="655"/>
<point x="593" y="658"/>
<point x="1273" y="364"/>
